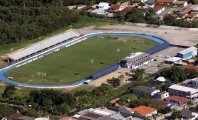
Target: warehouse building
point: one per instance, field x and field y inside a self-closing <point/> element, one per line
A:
<point x="183" y="91"/>
<point x="135" y="60"/>
<point x="187" y="53"/>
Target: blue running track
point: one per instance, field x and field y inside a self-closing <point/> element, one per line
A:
<point x="67" y="44"/>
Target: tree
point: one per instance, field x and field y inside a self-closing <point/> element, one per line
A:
<point x="138" y="74"/>
<point x="115" y="82"/>
<point x="135" y="16"/>
<point x="166" y="86"/>
<point x="30" y="112"/>
<point x="104" y="89"/>
<point x="191" y="73"/>
<point x="9" y="91"/>
<point x="177" y="74"/>
<point x="169" y="20"/>
<point x="176" y="114"/>
<point x="5" y="111"/>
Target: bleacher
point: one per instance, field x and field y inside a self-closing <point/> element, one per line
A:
<point x="158" y="48"/>
<point x="44" y="44"/>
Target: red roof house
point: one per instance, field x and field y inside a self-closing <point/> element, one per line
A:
<point x="127" y="9"/>
<point x="114" y="8"/>
<point x="177" y="100"/>
<point x="158" y="9"/>
<point x="187" y="10"/>
<point x="145" y="111"/>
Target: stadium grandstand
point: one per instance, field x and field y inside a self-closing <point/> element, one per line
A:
<point x="41" y="46"/>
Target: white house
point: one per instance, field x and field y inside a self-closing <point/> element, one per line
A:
<point x="183" y="91"/>
<point x="103" y="5"/>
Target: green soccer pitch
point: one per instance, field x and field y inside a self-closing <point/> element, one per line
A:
<point x="79" y="61"/>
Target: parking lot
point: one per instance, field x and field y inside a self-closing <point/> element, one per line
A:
<point x="159" y="59"/>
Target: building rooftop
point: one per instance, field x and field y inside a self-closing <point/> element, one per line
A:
<point x="144" y="89"/>
<point x="179" y="99"/>
<point x="144" y="110"/>
<point x="190" y="49"/>
<point x="173" y="59"/>
<point x="117" y="116"/>
<point x="157" y="8"/>
<point x="164" y="1"/>
<point x="183" y="88"/>
<point x="127" y="9"/>
<point x="186" y="113"/>
<point x="159" y="102"/>
<point x="115" y="6"/>
<point x="179" y="2"/>
<point x="187" y="10"/>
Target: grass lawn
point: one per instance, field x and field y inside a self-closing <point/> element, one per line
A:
<point x="73" y="63"/>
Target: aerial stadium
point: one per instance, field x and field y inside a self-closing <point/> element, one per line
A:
<point x="76" y="51"/>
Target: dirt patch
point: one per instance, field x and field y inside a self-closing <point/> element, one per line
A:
<point x="114" y="74"/>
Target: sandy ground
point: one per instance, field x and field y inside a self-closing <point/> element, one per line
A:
<point x="174" y="36"/>
<point x="114" y="74"/>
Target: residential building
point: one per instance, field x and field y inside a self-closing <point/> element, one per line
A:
<point x="101" y="9"/>
<point x="135" y="60"/>
<point x="100" y="114"/>
<point x="180" y="3"/>
<point x="158" y="9"/>
<point x="150" y="3"/>
<point x="191" y="83"/>
<point x="103" y="5"/>
<point x="160" y="95"/>
<point x="114" y="8"/>
<point x="144" y="111"/>
<point x="165" y="1"/>
<point x="126" y="10"/>
<point x="186" y="114"/>
<point x="187" y="53"/>
<point x="144" y="90"/>
<point x="159" y="103"/>
<point x="177" y="100"/>
<point x="183" y="91"/>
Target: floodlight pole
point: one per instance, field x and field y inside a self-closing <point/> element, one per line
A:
<point x="92" y="61"/>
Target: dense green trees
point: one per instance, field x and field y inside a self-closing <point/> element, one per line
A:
<point x="20" y="19"/>
<point x="135" y="16"/>
<point x="138" y="74"/>
<point x="115" y="82"/>
<point x="5" y="110"/>
<point x="9" y="92"/>
<point x="175" y="74"/>
<point x="172" y="21"/>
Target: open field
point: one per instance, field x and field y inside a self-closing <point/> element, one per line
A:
<point x="74" y="63"/>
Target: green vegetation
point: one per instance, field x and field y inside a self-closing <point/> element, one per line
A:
<point x="115" y="82"/>
<point x="68" y="65"/>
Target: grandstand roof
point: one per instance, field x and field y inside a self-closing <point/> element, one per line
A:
<point x="36" y="47"/>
